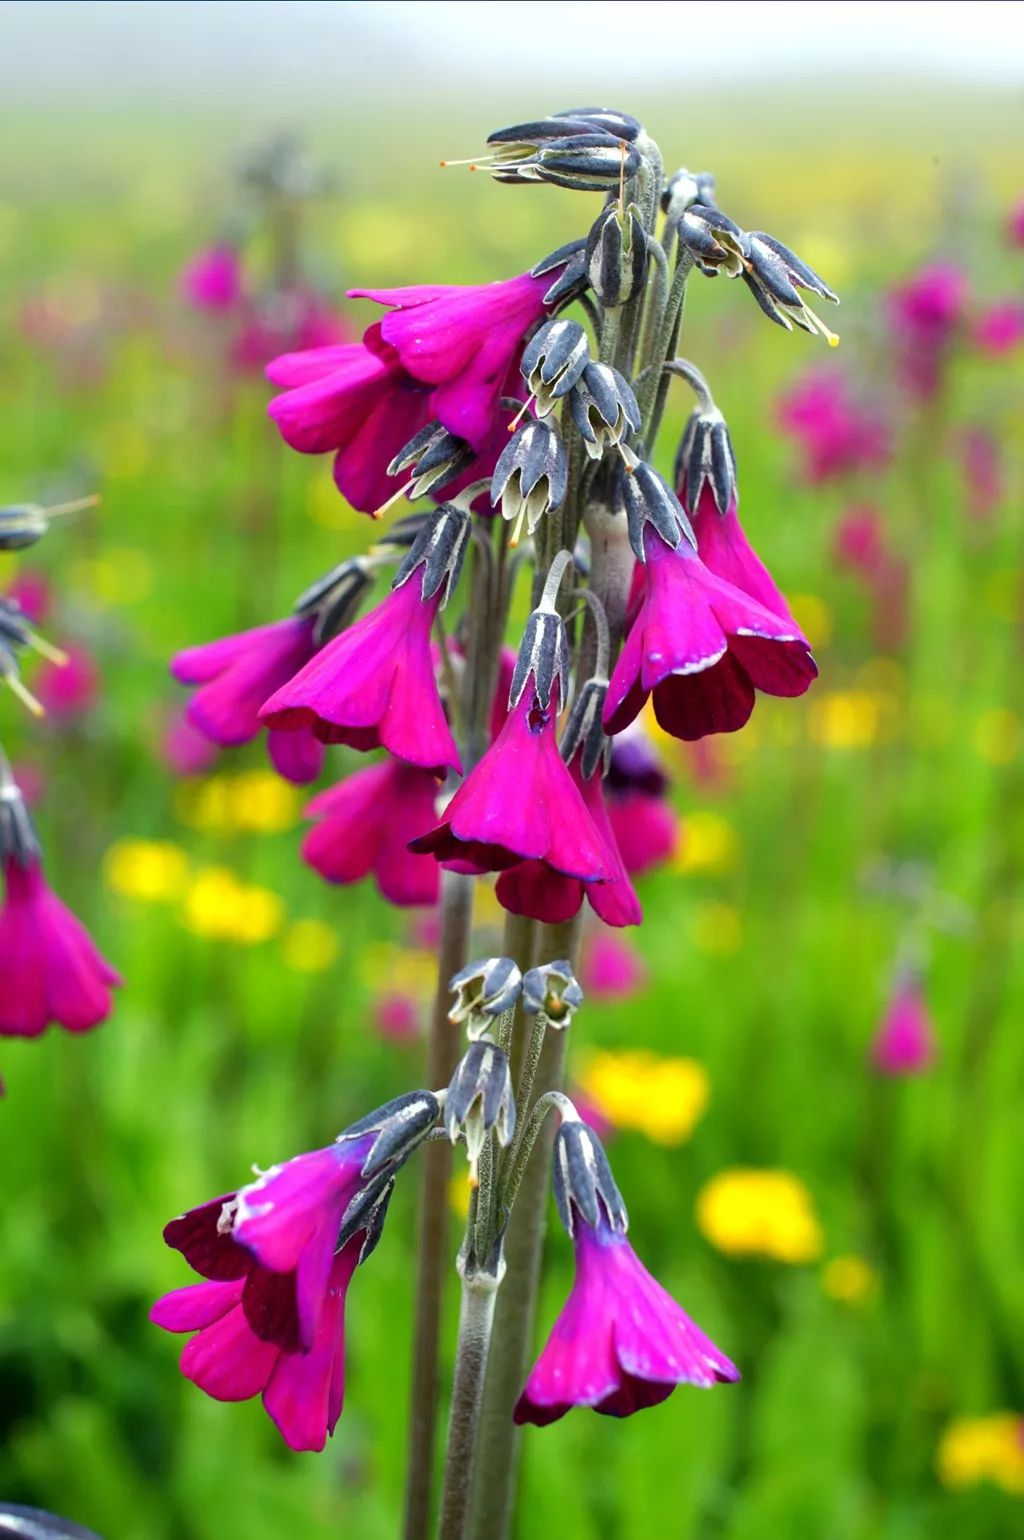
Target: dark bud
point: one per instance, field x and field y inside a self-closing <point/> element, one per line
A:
<point x="335" y="598"/>
<point x="552" y="988"/>
<point x="13" y="630"/>
<point x="21" y="524"/>
<point x="685" y="188"/>
<point x="439" y="547"/>
<point x="587" y="162"/>
<point x="648" y="499"/>
<point x="775" y="275"/>
<point x="553" y="360"/>
<point x="584" y="734"/>
<point x="35" y="1524"/>
<point x="607" y="119"/>
<point x="480" y="1099"/>
<point x="435" y="457"/>
<point x="617" y="255"/>
<point x="530" y="477"/>
<point x="604" y="409"/>
<point x="713" y="240"/>
<point x="367" y="1212"/>
<point x="18" y="839"/>
<point x="400" y="1125"/>
<point x="526" y="138"/>
<point x="705" y="457"/>
<point x="634" y="765"/>
<point x="544" y="655"/>
<point x="375" y="1221"/>
<point x="583" y="1181"/>
<point x="484" y="991"/>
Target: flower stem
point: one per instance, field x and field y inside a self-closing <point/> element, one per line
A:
<point x="442" y="1050"/>
<point x="498" y="1438"/>
<point x="476" y="1319"/>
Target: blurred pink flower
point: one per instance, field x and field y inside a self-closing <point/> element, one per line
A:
<point x="213" y="279"/>
<point x="33" y="594"/>
<point x="1015" y="232"/>
<point x="904" y="1043"/>
<point x="398" y="1018"/>
<point x="69" y="689"/>
<point x="837" y="433"/>
<point x="1000" y="328"/>
<point x="289" y="322"/>
<point x="611" y="969"/>
<point x="981" y="464"/>
<point x="858" y="542"/>
<point x="925" y="315"/>
<point x="185" y="749"/>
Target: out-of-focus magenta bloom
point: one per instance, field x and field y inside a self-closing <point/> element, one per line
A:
<point x="1000" y="328"/>
<point x="33" y="594"/>
<point x="185" y="749"/>
<point x="725" y="550"/>
<point x="837" y="433"/>
<point x="925" y="314"/>
<point x="643" y="822"/>
<point x="284" y="322"/>
<point x="621" y="1342"/>
<point x="520" y="803"/>
<point x="398" y="1018"/>
<point x="610" y="969"/>
<point x="303" y="1391"/>
<point x="462" y="339"/>
<point x="213" y="279"/>
<point x="236" y="674"/>
<point x="49" y="964"/>
<point x="858" y="542"/>
<point x="31" y="782"/>
<point x="981" y="463"/>
<point x="553" y="897"/>
<point x="365" y="824"/>
<point x="373" y="685"/>
<point x="701" y="647"/>
<point x="1015" y="231"/>
<point x="904" y="1043"/>
<point x="69" y="689"/>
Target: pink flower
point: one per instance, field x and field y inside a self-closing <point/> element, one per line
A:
<point x="1000" y="328"/>
<point x="925" y="314"/>
<point x="373" y="685"/>
<point x="702" y="648"/>
<point x="68" y="689"/>
<point x="1015" y="234"/>
<point x="236" y="674"/>
<point x="284" y="322"/>
<point x="858" y="542"/>
<point x="185" y="749"/>
<point x="213" y="279"/>
<point x="365" y="825"/>
<point x="611" y="969"/>
<point x="32" y="593"/>
<point x="303" y="1391"/>
<point x="725" y="550"/>
<point x="463" y="340"/>
<point x="49" y="965"/>
<point x="621" y="1342"/>
<point x="837" y="433"/>
<point x="398" y="1018"/>
<point x="905" y="1042"/>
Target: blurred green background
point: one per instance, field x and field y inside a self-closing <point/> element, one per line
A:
<point x="246" y="1030"/>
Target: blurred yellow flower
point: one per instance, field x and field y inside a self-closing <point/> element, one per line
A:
<point x="748" y="1212"/>
<point x="309" y="946"/>
<point x="253" y="800"/>
<point x="849" y="1279"/>
<point x="814" y="618"/>
<point x="218" y="905"/>
<point x="707" y="844"/>
<point x="997" y="735"/>
<point x="718" y="929"/>
<point x="975" y="1449"/>
<point x="151" y="870"/>
<point x="846" y="719"/>
<point x="661" y="1097"/>
<point x="399" y="970"/>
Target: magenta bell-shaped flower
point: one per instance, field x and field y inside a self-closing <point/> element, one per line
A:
<point x="364" y="825"/>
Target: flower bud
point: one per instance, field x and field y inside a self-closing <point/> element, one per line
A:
<point x="480" y="1098"/>
<point x="39" y="1524"/>
<point x="584" y="732"/>
<point x="439" y="547"/>
<point x="774" y="275"/>
<point x="685" y="188"/>
<point x="706" y="457"/>
<point x="604" y="409"/>
<point x="617" y="254"/>
<point x="553" y="360"/>
<point x="484" y="991"/>
<point x="18" y="836"/>
<point x="571" y="261"/>
<point x="335" y="598"/>
<point x="552" y="988"/>
<point x="544" y="654"/>
<point x="435" y="456"/>
<point x="587" y="162"/>
<point x="530" y="477"/>
<point x="648" y="499"/>
<point x="400" y="1125"/>
<point x="713" y="240"/>
<point x="582" y="1179"/>
<point x="608" y="119"/>
<point x="21" y="524"/>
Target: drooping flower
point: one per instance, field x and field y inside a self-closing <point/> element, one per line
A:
<point x="905" y="1041"/>
<point x="701" y="647"/>
<point x="364" y="824"/>
<point x="236" y="674"/>
<point x="50" y="968"/>
<point x="621" y="1343"/>
<point x="724" y="549"/>
<point x="213" y="279"/>
<point x="461" y="339"/>
<point x="520" y="802"/>
<point x="373" y="685"/>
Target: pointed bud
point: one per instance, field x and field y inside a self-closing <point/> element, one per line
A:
<point x="439" y="548"/>
<point x="435" y="457"/>
<point x="484" y="991"/>
<point x="713" y="240"/>
<point x="586" y="162"/>
<point x="480" y="1098"/>
<point x="21" y="524"/>
<point x="583" y="1181"/>
<point x="648" y="499"/>
<point x="617" y="254"/>
<point x="775" y="275"/>
<point x="553" y="360"/>
<point x="335" y="598"/>
<point x="400" y="1125"/>
<point x="552" y="988"/>
<point x="584" y="733"/>
<point x="706" y="458"/>
<point x="530" y="477"/>
<point x="367" y="1212"/>
<point x="544" y="654"/>
<point x="604" y="409"/>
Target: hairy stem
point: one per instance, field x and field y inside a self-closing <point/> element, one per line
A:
<point x="476" y="1319"/>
